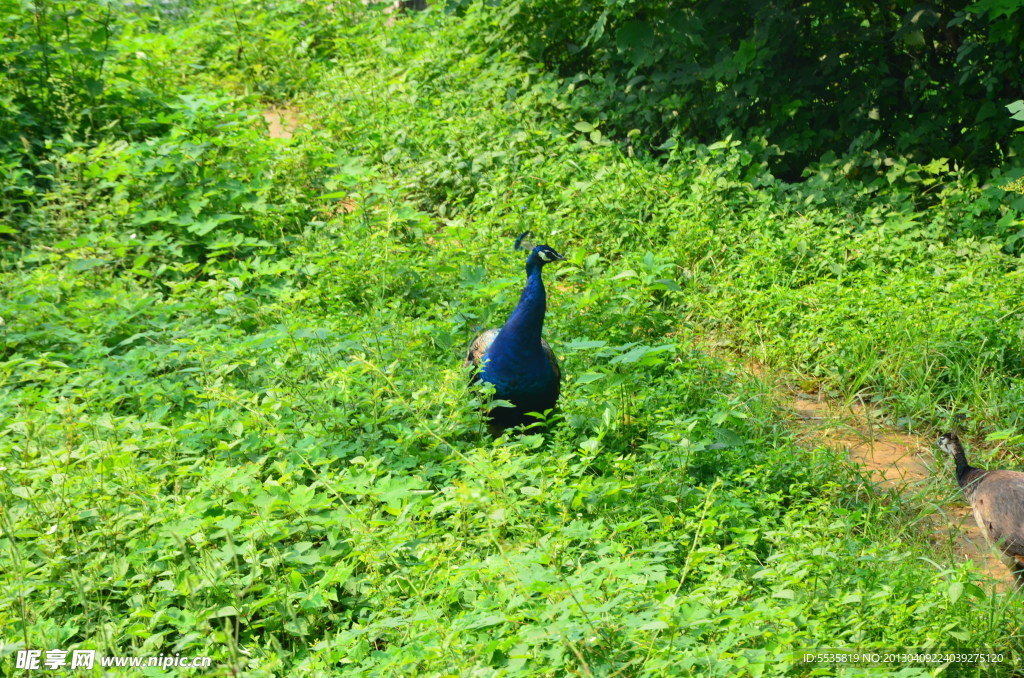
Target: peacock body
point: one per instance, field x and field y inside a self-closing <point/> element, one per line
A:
<point x="515" y="359"/>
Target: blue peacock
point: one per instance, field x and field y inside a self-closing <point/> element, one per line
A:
<point x="515" y="359"/>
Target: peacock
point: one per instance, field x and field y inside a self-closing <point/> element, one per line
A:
<point x="515" y="359"/>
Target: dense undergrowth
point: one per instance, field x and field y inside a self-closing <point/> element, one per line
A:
<point x="864" y="81"/>
<point x="234" y="422"/>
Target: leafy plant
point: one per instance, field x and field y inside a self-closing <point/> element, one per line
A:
<point x="903" y="80"/>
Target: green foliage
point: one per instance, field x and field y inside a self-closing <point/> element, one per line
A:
<point x="273" y="49"/>
<point x="920" y="80"/>
<point x="291" y="479"/>
<point x="100" y="102"/>
<point x="61" y="67"/>
<point x="63" y="77"/>
<point x="244" y="432"/>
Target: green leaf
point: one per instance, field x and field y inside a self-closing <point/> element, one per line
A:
<point x="584" y="344"/>
<point x="634" y="37"/>
<point x="203" y="226"/>
<point x="641" y="354"/>
<point x="487" y="621"/>
<point x="956" y="589"/>
<point x="1016" y="109"/>
<point x="656" y="625"/>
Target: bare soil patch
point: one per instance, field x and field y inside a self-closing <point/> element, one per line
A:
<point x="282" y="122"/>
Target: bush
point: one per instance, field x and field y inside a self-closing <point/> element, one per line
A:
<point x="920" y="80"/>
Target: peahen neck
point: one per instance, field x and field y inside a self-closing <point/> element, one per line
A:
<point x="966" y="475"/>
<point x="523" y="328"/>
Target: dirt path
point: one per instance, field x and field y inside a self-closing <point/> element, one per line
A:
<point x="902" y="463"/>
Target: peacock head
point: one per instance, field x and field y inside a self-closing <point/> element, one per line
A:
<point x="542" y="254"/>
<point x="539" y="255"/>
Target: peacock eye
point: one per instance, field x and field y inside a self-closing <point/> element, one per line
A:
<point x="543" y="255"/>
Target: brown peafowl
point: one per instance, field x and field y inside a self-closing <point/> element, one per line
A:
<point x="997" y="499"/>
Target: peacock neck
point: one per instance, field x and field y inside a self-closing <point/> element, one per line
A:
<point x="526" y="321"/>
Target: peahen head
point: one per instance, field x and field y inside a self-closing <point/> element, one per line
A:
<point x="950" y="444"/>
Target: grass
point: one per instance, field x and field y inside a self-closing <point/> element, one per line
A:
<point x="245" y="433"/>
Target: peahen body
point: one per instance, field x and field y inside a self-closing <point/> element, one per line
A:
<point x="515" y="359"/>
<point x="997" y="500"/>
